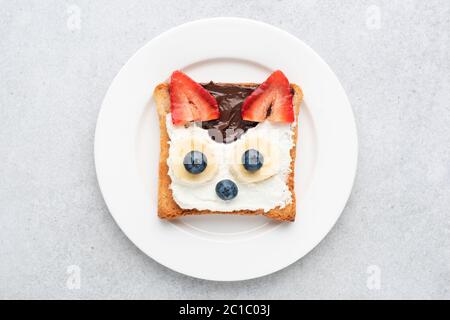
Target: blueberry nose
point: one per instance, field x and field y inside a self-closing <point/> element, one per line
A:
<point x="226" y="189"/>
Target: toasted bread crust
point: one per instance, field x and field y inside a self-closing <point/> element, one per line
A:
<point x="169" y="209"/>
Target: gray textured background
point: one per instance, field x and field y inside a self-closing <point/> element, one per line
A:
<point x="54" y="75"/>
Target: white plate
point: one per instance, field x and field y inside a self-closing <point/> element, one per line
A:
<point x="221" y="247"/>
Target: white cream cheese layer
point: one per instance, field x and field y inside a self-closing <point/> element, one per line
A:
<point x="267" y="194"/>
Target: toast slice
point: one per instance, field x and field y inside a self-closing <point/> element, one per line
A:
<point x="169" y="209"/>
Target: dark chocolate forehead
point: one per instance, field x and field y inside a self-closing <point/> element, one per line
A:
<point x="230" y="126"/>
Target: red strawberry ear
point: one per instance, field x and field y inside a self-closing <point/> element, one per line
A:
<point x="271" y="100"/>
<point x="189" y="101"/>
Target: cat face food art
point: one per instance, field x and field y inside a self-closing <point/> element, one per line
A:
<point x="227" y="148"/>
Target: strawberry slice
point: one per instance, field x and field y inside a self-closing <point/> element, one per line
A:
<point x="189" y="101"/>
<point x="271" y="100"/>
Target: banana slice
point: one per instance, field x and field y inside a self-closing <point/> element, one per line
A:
<point x="180" y="149"/>
<point x="270" y="153"/>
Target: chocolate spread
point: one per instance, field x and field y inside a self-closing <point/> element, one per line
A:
<point x="230" y="125"/>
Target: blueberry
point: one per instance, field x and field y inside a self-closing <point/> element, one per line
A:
<point x="195" y="162"/>
<point x="226" y="189"/>
<point x="252" y="160"/>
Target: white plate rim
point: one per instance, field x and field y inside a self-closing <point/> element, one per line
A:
<point x="101" y="161"/>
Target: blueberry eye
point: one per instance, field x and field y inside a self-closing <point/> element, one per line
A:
<point x="252" y="160"/>
<point x="195" y="162"/>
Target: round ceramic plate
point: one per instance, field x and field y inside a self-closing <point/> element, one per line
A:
<point x="225" y="247"/>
